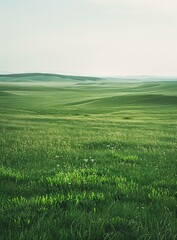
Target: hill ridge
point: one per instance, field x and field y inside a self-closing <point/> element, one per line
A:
<point x="74" y="77"/>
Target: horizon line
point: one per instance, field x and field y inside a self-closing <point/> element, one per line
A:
<point x="86" y="75"/>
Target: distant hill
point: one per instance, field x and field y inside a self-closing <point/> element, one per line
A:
<point x="48" y="77"/>
<point x="41" y="77"/>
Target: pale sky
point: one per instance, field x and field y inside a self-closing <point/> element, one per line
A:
<point x="89" y="37"/>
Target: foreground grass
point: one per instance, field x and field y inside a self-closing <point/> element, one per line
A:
<point x="88" y="162"/>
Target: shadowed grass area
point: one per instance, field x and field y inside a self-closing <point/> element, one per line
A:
<point x="88" y="161"/>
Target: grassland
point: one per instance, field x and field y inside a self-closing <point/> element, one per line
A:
<point x="87" y="159"/>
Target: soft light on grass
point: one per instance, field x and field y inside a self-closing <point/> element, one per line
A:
<point x="95" y="161"/>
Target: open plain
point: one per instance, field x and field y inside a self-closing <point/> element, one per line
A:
<point x="87" y="158"/>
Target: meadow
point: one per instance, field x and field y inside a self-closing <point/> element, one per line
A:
<point x="87" y="159"/>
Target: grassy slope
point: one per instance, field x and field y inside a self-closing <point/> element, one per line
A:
<point x="44" y="77"/>
<point x="88" y="161"/>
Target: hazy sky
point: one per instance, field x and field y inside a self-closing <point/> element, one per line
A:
<point x="89" y="37"/>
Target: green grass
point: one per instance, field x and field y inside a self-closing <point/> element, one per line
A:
<point x="90" y="159"/>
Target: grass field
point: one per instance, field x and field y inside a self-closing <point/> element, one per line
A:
<point x="87" y="159"/>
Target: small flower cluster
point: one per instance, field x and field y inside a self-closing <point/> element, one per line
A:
<point x="90" y="159"/>
<point x="111" y="146"/>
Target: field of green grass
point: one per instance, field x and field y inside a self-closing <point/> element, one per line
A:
<point x="87" y="159"/>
